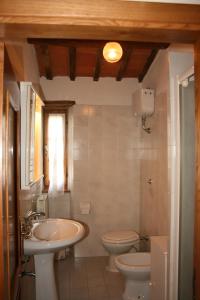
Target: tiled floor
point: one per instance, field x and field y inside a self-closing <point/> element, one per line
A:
<point x="81" y="279"/>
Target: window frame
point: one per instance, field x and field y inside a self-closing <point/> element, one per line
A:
<point x="55" y="107"/>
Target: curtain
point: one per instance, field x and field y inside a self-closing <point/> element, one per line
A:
<point x="56" y="144"/>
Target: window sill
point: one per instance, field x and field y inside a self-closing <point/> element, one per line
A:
<point x="46" y="190"/>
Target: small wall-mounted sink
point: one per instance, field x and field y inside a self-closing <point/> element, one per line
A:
<point x="48" y="237"/>
<point x="51" y="235"/>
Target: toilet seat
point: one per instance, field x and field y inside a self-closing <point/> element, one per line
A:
<point x="120" y="237"/>
<point x="139" y="262"/>
<point x="136" y="269"/>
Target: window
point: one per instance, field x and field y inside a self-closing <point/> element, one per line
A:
<point x="56" y="148"/>
<point x="55" y="144"/>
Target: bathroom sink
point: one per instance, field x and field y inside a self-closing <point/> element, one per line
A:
<point x="47" y="237"/>
<point x="51" y="235"/>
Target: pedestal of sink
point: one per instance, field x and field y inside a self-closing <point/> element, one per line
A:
<point x="45" y="277"/>
<point x="47" y="237"/>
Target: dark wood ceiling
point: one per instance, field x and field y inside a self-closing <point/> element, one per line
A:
<point x="73" y="58"/>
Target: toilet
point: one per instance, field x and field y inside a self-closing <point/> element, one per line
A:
<point x="118" y="242"/>
<point x="136" y="268"/>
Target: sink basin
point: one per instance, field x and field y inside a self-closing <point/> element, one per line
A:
<point x="51" y="235"/>
<point x="48" y="237"/>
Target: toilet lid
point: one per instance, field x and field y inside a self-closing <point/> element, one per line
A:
<point x="120" y="236"/>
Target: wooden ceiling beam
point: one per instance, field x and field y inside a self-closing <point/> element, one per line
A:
<point x="97" y="70"/>
<point x="83" y="11"/>
<point x="46" y="60"/>
<point x="148" y="63"/>
<point x="72" y="63"/>
<point x="94" y="43"/>
<point x="129" y="20"/>
<point x="124" y="64"/>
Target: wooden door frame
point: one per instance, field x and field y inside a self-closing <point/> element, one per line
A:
<point x="81" y="19"/>
<point x="109" y="20"/>
<point x="197" y="177"/>
<point x="1" y="169"/>
<point x="7" y="78"/>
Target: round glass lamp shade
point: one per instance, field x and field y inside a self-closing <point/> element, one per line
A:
<point x="112" y="52"/>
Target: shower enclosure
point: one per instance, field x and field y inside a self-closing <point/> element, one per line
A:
<point x="187" y="188"/>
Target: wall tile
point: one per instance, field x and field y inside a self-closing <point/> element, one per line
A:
<point x="106" y="172"/>
<point x="154" y="210"/>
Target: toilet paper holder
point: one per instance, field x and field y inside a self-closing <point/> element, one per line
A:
<point x="85" y="208"/>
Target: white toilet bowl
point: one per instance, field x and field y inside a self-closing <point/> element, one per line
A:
<point x="136" y="269"/>
<point x="118" y="242"/>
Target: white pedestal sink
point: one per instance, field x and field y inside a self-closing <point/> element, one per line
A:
<point x="48" y="237"/>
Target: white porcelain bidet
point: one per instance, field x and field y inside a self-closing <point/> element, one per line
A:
<point x="135" y="267"/>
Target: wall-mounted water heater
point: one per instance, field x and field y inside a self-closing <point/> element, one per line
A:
<point x="143" y="105"/>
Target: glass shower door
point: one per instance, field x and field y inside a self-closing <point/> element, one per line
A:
<point x="187" y="189"/>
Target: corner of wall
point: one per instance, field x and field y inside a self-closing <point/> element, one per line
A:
<point x="23" y="60"/>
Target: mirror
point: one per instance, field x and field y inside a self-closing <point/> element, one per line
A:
<point x="31" y="135"/>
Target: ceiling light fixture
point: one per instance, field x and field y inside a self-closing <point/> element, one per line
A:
<point x="112" y="52"/>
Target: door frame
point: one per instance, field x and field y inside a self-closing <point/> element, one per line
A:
<point x="1" y="170"/>
<point x="118" y="20"/>
<point x="122" y="20"/>
<point x="7" y="78"/>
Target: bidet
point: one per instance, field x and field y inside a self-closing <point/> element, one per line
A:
<point x="136" y="268"/>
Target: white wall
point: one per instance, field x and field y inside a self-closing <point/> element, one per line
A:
<point x="24" y="61"/>
<point x="103" y="154"/>
<point x="106" y="91"/>
<point x="104" y="171"/>
<point x="154" y="203"/>
<point x="104" y="165"/>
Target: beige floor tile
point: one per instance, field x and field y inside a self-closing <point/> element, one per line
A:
<point x="28" y="288"/>
<point x="115" y="292"/>
<point x="79" y="294"/>
<point x="113" y="279"/>
<point x="96" y="281"/>
<point x="98" y="293"/>
<point x="80" y="279"/>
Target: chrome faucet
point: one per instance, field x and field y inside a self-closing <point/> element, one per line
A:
<point x="27" y="225"/>
<point x="30" y="215"/>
